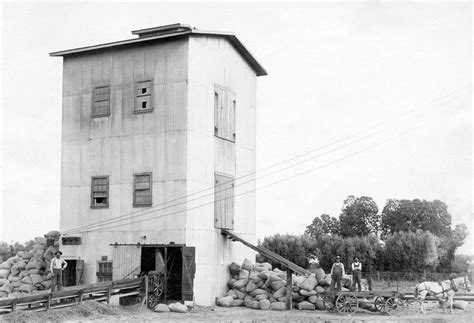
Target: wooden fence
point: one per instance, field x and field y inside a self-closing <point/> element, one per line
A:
<point x="73" y="295"/>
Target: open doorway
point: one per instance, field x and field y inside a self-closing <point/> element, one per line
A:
<point x="177" y="265"/>
<point x="73" y="274"/>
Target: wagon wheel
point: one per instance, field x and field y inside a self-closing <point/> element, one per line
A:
<point x="393" y="305"/>
<point x="152" y="301"/>
<point x="328" y="302"/>
<point x="379" y="303"/>
<point x="157" y="286"/>
<point x="346" y="304"/>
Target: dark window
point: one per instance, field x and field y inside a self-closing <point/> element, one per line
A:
<point x="100" y="192"/>
<point x="104" y="270"/>
<point x="101" y="101"/>
<point x="224" y="113"/>
<point x="143" y="96"/>
<point x="71" y="241"/>
<point x="142" y="184"/>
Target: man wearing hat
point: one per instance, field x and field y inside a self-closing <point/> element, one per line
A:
<point x="57" y="266"/>
<point x="337" y="270"/>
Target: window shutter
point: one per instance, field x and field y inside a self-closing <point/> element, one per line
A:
<point x="79" y="272"/>
<point x="189" y="270"/>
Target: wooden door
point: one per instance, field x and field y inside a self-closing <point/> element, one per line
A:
<point x="79" y="272"/>
<point x="189" y="270"/>
<point x="125" y="262"/>
<point x="224" y="202"/>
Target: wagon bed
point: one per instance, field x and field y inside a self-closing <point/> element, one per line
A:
<point x="347" y="302"/>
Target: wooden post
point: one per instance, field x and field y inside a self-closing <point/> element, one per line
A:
<point x="289" y="289"/>
<point x="48" y="302"/>
<point x="81" y="293"/>
<point x="109" y="292"/>
<point x="14" y="305"/>
<point x="145" y="299"/>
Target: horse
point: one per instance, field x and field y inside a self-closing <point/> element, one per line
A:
<point x="444" y="290"/>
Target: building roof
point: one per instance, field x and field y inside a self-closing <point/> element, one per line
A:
<point x="169" y="31"/>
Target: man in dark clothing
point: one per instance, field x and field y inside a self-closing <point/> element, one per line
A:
<point x="357" y="272"/>
<point x="337" y="270"/>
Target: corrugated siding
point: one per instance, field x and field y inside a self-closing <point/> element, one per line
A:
<point x="126" y="261"/>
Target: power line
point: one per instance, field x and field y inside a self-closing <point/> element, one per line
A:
<point x="265" y="186"/>
<point x="116" y="219"/>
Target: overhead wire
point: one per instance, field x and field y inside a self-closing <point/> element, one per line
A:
<point x="143" y="211"/>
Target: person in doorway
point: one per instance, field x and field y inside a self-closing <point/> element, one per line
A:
<point x="357" y="273"/>
<point x="337" y="270"/>
<point x="57" y="266"/>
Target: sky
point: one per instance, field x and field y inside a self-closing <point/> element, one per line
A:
<point x="400" y="73"/>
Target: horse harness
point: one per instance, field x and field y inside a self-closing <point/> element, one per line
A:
<point x="444" y="291"/>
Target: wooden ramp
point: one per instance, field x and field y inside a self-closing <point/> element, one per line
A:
<point x="267" y="253"/>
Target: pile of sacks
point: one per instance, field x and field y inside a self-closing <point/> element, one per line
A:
<point x="29" y="271"/>
<point x="173" y="307"/>
<point x="261" y="287"/>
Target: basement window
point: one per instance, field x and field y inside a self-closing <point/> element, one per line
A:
<point x="104" y="270"/>
<point x="142" y="193"/>
<point x="143" y="96"/>
<point x="101" y="101"/>
<point x="100" y="192"/>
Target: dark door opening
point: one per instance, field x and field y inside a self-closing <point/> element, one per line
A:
<point x="177" y="265"/>
<point x="69" y="274"/>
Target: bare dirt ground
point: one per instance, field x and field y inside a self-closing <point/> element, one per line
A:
<point x="97" y="312"/>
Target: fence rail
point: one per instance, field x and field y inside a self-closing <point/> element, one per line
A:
<point x="72" y="296"/>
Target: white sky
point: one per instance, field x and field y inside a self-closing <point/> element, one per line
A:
<point x="333" y="69"/>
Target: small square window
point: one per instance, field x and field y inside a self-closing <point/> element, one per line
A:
<point x="143" y="96"/>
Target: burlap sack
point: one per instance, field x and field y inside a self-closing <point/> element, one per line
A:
<point x="243" y="274"/>
<point x="7" y="265"/>
<point x="251" y="286"/>
<point x="3" y="281"/>
<point x="462" y="305"/>
<point x="319" y="289"/>
<point x="247" y="265"/>
<point x="280" y="293"/>
<point x="297" y="297"/>
<point x="253" y="305"/>
<point x="304" y="305"/>
<point x="278" y="306"/>
<point x="261" y="296"/>
<point x="7" y="288"/>
<point x="264" y="274"/>
<point x="231" y="282"/>
<point x="237" y="302"/>
<point x="225" y="301"/>
<point x="23" y="273"/>
<point x="258" y="291"/>
<point x="178" y="308"/>
<point x="319" y="274"/>
<point x="161" y="308"/>
<point x="326" y="281"/>
<point x="15" y="270"/>
<point x="264" y="304"/>
<point x="4" y="273"/>
<point x="13" y="278"/>
<point x="276" y="285"/>
<point x="47" y="284"/>
<point x="231" y="293"/>
<point x="27" y="280"/>
<point x="234" y="268"/>
<point x="21" y="264"/>
<point x="307" y="293"/>
<point x="241" y="283"/>
<point x="36" y="279"/>
<point x="309" y="283"/>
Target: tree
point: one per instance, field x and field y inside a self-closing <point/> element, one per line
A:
<point x="292" y="247"/>
<point x="324" y="224"/>
<point x="448" y="246"/>
<point x="406" y="215"/>
<point x="359" y="217"/>
<point x="411" y="251"/>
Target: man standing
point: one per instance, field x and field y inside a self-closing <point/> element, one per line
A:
<point x="57" y="266"/>
<point x="337" y="270"/>
<point x="357" y="272"/>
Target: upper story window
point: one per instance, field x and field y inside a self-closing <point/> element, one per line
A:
<point x="101" y="101"/>
<point x="142" y="184"/>
<point x="224" y="113"/>
<point x="143" y="96"/>
<point x="100" y="192"/>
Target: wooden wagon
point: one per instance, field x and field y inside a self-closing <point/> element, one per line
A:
<point x="346" y="303"/>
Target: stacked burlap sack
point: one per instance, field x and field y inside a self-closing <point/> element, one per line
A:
<point x="261" y="287"/>
<point x="29" y="271"/>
